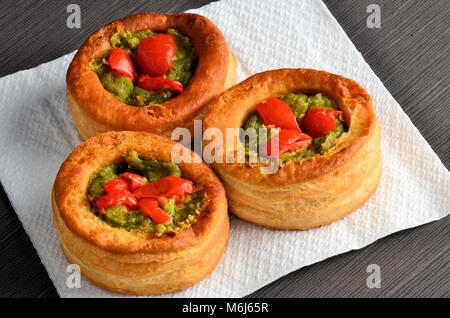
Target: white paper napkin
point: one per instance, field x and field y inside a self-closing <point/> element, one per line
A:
<point x="37" y="134"/>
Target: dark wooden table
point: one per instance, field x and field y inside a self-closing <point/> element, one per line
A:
<point x="410" y="53"/>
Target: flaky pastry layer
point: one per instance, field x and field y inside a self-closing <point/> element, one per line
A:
<point x="308" y="193"/>
<point x="96" y="111"/>
<point x="130" y="261"/>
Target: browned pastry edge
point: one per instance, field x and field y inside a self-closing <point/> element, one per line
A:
<point x="309" y="193"/>
<point x="129" y="261"/>
<point x="231" y="108"/>
<point x="96" y="111"/>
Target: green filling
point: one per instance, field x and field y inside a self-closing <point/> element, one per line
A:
<point x="98" y="180"/>
<point x="255" y="122"/>
<point x="323" y="144"/>
<point x="184" y="61"/>
<point x="129" y="40"/>
<point x="300" y="104"/>
<point x="122" y="88"/>
<point x="122" y="217"/>
<point x="152" y="169"/>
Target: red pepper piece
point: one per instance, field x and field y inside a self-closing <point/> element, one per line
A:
<point x="154" y="54"/>
<point x="318" y="121"/>
<point x="288" y="140"/>
<point x="274" y="111"/>
<point x="162" y="201"/>
<point x="153" y="83"/>
<point x="117" y="184"/>
<point x="167" y="187"/>
<point x="117" y="197"/>
<point x="121" y="64"/>
<point x="150" y="207"/>
<point x="135" y="179"/>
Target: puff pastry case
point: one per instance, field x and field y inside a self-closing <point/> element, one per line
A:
<point x="135" y="221"/>
<point x="315" y="158"/>
<point x="148" y="72"/>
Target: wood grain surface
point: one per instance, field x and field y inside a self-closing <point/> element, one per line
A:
<point x="410" y="53"/>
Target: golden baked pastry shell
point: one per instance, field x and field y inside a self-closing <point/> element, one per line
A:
<point x="308" y="193"/>
<point x="96" y="111"/>
<point x="130" y="261"/>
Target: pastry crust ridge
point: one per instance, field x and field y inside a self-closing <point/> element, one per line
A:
<point x="308" y="193"/>
<point x="130" y="261"/>
<point x="96" y="111"/>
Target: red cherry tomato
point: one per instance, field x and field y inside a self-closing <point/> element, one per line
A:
<point x="154" y="54"/>
<point x="153" y="83"/>
<point x="150" y="207"/>
<point x="117" y="197"/>
<point x="288" y="140"/>
<point x="167" y="187"/>
<point x="274" y="111"/>
<point x="318" y="121"/>
<point x="135" y="179"/>
<point x="121" y="64"/>
<point x="117" y="184"/>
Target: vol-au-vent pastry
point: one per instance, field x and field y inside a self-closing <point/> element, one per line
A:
<point x="133" y="220"/>
<point x="315" y="155"/>
<point x="148" y="72"/>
